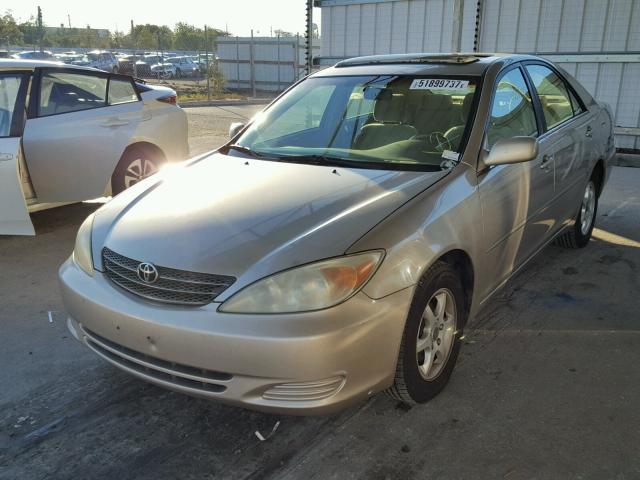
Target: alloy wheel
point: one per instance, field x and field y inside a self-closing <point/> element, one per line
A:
<point x="138" y="170"/>
<point x="436" y="334"/>
<point x="587" y="210"/>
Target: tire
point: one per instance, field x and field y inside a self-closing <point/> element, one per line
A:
<point x="179" y="73"/>
<point x="580" y="233"/>
<point x="414" y="382"/>
<point x="136" y="164"/>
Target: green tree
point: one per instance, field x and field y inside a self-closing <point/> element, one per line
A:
<point x="10" y="34"/>
<point x="187" y="37"/>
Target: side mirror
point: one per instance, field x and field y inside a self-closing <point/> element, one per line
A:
<point x="512" y="150"/>
<point x="235" y="128"/>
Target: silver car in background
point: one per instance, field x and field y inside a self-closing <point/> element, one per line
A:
<point x="338" y="245"/>
<point x="71" y="133"/>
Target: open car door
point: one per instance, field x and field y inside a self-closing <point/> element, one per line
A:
<point x="14" y="216"/>
<point x="80" y="124"/>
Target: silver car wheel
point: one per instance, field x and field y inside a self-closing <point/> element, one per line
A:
<point x="436" y="334"/>
<point x="137" y="170"/>
<point x="587" y="210"/>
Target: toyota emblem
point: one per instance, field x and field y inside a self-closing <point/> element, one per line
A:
<point x="147" y="272"/>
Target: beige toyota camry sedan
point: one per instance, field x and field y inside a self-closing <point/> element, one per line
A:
<point x="337" y="246"/>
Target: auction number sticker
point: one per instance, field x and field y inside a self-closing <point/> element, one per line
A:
<point x="433" y="83"/>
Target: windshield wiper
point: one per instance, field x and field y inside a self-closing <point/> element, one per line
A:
<point x="329" y="161"/>
<point x="243" y="149"/>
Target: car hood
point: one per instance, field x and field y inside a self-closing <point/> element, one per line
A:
<point x="249" y="218"/>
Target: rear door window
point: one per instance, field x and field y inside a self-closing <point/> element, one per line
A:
<point x="121" y="90"/>
<point x="552" y="92"/>
<point x="62" y="92"/>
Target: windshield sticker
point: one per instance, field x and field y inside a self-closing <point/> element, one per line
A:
<point x="444" y="83"/>
<point x="449" y="155"/>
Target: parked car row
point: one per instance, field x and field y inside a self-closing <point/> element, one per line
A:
<point x="142" y="65"/>
<point x="71" y="132"/>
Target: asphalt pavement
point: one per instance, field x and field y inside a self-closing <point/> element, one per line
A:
<point x="547" y="384"/>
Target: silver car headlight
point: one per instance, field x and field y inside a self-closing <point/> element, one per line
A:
<point x="82" y="255"/>
<point x="314" y="286"/>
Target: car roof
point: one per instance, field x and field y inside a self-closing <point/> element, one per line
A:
<point x="17" y="64"/>
<point x="422" y="63"/>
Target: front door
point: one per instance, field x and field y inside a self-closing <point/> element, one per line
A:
<point x="14" y="216"/>
<point x="514" y="198"/>
<point x="80" y="128"/>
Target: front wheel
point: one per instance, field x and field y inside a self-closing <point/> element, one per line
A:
<point x="136" y="164"/>
<point x="431" y="338"/>
<point x="580" y="234"/>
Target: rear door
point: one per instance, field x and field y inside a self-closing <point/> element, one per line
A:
<point x="80" y="123"/>
<point x="568" y="132"/>
<point x="14" y="216"/>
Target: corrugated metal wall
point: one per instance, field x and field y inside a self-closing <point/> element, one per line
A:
<point x="598" y="41"/>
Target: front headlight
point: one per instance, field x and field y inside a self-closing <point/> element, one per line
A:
<point x="82" y="255"/>
<point x="311" y="287"/>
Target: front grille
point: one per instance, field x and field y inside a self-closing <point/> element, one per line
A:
<point x="172" y="286"/>
<point x="207" y="381"/>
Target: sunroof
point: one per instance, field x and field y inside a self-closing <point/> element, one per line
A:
<point x="411" y="58"/>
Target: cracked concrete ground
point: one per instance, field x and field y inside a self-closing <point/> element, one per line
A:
<point x="547" y="385"/>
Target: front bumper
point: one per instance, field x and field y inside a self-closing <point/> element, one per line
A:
<point x="307" y="363"/>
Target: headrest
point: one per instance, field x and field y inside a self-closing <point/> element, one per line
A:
<point x="389" y="107"/>
<point x="466" y="106"/>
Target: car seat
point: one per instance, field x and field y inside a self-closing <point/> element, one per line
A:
<point x="433" y="113"/>
<point x="389" y="124"/>
<point x="454" y="134"/>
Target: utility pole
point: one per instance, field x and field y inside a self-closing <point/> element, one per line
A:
<point x="69" y="20"/>
<point x="206" y="56"/>
<point x="309" y="38"/>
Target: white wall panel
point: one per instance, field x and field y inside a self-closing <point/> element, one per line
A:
<point x="528" y="23"/>
<point x="352" y="34"/>
<point x="416" y="29"/>
<point x="368" y="28"/>
<point x="399" y="26"/>
<point x="382" y="39"/>
<point x="549" y="27"/>
<point x="507" y="25"/>
<point x="571" y="25"/>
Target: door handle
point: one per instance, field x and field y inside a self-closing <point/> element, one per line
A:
<point x="546" y="159"/>
<point x="114" y="122"/>
<point x="588" y="132"/>
<point x="5" y="157"/>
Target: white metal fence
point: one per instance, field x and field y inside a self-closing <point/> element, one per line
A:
<point x="262" y="63"/>
<point x="598" y="41"/>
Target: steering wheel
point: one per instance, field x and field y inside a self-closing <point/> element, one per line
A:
<point x="440" y="141"/>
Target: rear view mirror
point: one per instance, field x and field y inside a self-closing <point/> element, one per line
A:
<point x="512" y="150"/>
<point x="235" y="128"/>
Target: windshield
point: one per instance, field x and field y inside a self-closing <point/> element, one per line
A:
<point x="390" y="121"/>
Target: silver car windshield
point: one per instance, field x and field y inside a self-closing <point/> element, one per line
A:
<point x="388" y="121"/>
